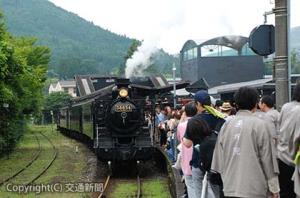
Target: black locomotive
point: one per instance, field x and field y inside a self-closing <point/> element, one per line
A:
<point x="113" y="119"/>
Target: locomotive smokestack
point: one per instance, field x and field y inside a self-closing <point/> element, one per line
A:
<point x="122" y="82"/>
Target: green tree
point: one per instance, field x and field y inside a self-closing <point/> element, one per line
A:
<point x="268" y="67"/>
<point x="23" y="66"/>
<point x="295" y="62"/>
<point x="54" y="101"/>
<point x="35" y="60"/>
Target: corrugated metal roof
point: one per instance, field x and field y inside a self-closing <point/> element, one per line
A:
<point x="228" y="87"/>
<point x="236" y="86"/>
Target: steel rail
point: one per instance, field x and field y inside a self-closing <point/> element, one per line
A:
<point x="105" y="186"/>
<point x="27" y="165"/>
<point x="55" y="153"/>
<point x="139" y="187"/>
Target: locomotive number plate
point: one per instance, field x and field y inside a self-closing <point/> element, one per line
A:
<point x="123" y="108"/>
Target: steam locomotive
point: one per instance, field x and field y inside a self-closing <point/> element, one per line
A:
<point x="113" y="120"/>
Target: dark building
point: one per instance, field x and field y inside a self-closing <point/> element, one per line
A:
<point x="219" y="61"/>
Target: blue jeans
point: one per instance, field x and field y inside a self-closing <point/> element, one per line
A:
<point x="212" y="191"/>
<point x="188" y="179"/>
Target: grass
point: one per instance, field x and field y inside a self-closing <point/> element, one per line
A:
<point x="156" y="188"/>
<point x="151" y="188"/>
<point x="124" y="189"/>
<point x="67" y="168"/>
<point x="23" y="153"/>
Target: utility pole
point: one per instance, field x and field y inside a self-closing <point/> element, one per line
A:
<point x="174" y="84"/>
<point x="175" y="130"/>
<point x="281" y="53"/>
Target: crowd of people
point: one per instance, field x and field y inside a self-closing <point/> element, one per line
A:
<point x="247" y="149"/>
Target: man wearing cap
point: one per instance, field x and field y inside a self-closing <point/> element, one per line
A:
<point x="198" y="128"/>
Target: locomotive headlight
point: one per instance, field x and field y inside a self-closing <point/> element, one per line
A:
<point x="123" y="92"/>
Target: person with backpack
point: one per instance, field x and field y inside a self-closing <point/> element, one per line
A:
<point x="244" y="154"/>
<point x="201" y="134"/>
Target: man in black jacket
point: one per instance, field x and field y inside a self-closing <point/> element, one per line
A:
<point x="199" y="129"/>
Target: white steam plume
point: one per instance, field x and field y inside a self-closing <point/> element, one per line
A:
<point x="141" y="59"/>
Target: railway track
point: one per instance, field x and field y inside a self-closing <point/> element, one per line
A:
<point x="127" y="181"/>
<point x="34" y="161"/>
<point x="106" y="185"/>
<point x="101" y="195"/>
<point x="139" y="188"/>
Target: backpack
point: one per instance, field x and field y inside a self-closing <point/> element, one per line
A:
<point x="207" y="146"/>
<point x="206" y="149"/>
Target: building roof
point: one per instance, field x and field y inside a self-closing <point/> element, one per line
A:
<point x="84" y="84"/>
<point x="232" y="41"/>
<point x="198" y="85"/>
<point x="228" y="87"/>
<point x="67" y="83"/>
<point x="235" y="86"/>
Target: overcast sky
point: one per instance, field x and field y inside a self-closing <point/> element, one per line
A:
<point x="172" y="22"/>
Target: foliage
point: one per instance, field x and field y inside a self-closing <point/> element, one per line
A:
<point x="56" y="100"/>
<point x="268" y="67"/>
<point x="295" y="39"/>
<point x="53" y="102"/>
<point x="23" y="66"/>
<point x="78" y="46"/>
<point x="164" y="63"/>
<point x="295" y="62"/>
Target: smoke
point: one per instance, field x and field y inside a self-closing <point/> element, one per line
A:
<point x="233" y="39"/>
<point x="142" y="58"/>
<point x="172" y="20"/>
<point x="229" y="39"/>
